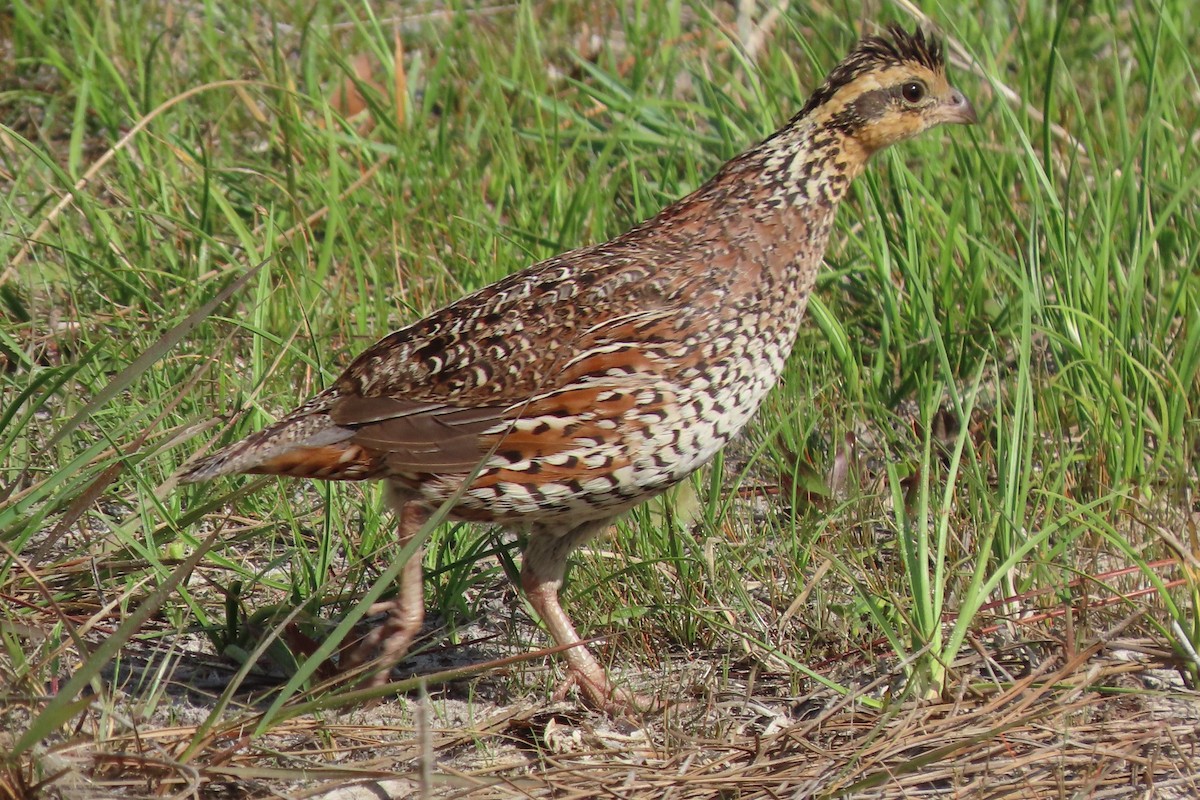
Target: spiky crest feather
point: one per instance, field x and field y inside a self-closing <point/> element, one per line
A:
<point x="874" y="52"/>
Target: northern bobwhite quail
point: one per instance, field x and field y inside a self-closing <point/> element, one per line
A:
<point x="594" y="380"/>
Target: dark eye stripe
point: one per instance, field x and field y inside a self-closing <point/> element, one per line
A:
<point x="871" y="105"/>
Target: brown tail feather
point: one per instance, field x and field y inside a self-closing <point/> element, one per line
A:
<point x="340" y="462"/>
<point x="304" y="444"/>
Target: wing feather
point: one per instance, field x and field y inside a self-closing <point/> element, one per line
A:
<point x="412" y="435"/>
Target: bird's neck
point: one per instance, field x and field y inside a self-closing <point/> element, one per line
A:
<point x="797" y="177"/>
<point x="803" y="166"/>
<point x="771" y="210"/>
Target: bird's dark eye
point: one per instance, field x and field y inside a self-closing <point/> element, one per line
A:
<point x="913" y="92"/>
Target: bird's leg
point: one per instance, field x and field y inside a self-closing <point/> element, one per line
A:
<point x="542" y="568"/>
<point x="405" y="611"/>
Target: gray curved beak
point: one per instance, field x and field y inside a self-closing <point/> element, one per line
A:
<point x="958" y="110"/>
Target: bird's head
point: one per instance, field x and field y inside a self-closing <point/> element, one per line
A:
<point x="891" y="87"/>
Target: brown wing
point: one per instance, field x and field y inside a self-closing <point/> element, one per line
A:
<point x="509" y="341"/>
<point x="423" y="398"/>
<point x="421" y="435"/>
<point x="435" y="397"/>
<point x="417" y="436"/>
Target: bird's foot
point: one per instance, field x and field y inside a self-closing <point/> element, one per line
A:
<point x="599" y="694"/>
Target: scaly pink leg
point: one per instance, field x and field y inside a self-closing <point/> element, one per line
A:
<point x="542" y="568"/>
<point x="405" y="611"/>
